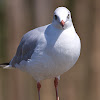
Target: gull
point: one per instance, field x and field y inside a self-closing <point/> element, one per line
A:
<point x="48" y="51"/>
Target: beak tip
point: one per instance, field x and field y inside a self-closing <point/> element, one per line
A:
<point x="62" y="23"/>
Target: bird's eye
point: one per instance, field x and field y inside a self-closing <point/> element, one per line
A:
<point x="68" y="16"/>
<point x="55" y="17"/>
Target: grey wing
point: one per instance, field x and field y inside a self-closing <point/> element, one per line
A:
<point x="27" y="45"/>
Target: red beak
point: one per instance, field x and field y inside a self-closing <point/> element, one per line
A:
<point x="62" y="23"/>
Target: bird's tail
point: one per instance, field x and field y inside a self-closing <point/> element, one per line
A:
<point x="5" y="66"/>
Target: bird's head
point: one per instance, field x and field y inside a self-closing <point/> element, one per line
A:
<point x="62" y="18"/>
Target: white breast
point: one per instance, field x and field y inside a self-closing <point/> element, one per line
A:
<point x="64" y="52"/>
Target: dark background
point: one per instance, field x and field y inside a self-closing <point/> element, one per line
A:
<point x="82" y="82"/>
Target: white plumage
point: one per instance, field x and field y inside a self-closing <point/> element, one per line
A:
<point x="50" y="50"/>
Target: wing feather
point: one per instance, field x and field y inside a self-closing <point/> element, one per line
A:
<point x="27" y="45"/>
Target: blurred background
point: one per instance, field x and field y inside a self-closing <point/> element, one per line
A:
<point x="82" y="82"/>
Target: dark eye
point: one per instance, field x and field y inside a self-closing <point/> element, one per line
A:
<point x="68" y="16"/>
<point x="55" y="17"/>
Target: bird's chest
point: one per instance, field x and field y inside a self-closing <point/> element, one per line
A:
<point x="62" y="50"/>
<point x="60" y="46"/>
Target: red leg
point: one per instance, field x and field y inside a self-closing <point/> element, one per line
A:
<point x="56" y="85"/>
<point x="38" y="87"/>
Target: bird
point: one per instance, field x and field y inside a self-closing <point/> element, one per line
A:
<point x="48" y="51"/>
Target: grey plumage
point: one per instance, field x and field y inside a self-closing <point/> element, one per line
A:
<point x="27" y="45"/>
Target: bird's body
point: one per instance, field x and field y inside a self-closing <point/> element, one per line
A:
<point x="55" y="53"/>
<point x="50" y="50"/>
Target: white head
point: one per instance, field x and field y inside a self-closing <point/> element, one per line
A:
<point x="62" y="18"/>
